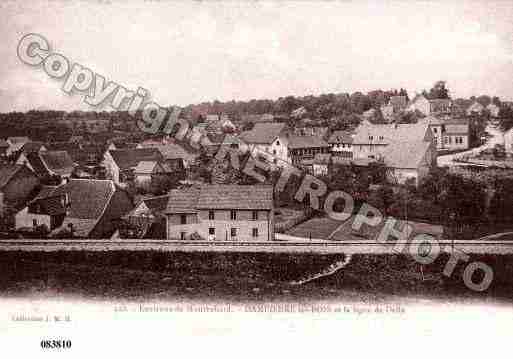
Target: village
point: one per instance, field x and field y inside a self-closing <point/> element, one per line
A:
<point x="443" y="166"/>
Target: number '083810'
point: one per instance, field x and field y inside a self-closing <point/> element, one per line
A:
<point x="55" y="344"/>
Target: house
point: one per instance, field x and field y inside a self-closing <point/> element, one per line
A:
<point x="120" y="164"/>
<point x="47" y="210"/>
<point x="475" y="109"/>
<point x="4" y="146"/>
<point x="17" y="182"/>
<point x="148" y="219"/>
<point x="493" y="109"/>
<point x="370" y="140"/>
<point x="429" y="107"/>
<point x="395" y="105"/>
<point x="419" y="103"/>
<point x="439" y="106"/>
<point x="306" y="147"/>
<point x="92" y="208"/>
<point x="409" y="161"/>
<point x="320" y="164"/>
<point x="145" y="171"/>
<point x="15" y="144"/>
<point x="341" y="144"/>
<point x="456" y="136"/>
<point x="268" y="140"/>
<point x="320" y="131"/>
<point x="48" y="163"/>
<point x="221" y="212"/>
<point x="171" y="151"/>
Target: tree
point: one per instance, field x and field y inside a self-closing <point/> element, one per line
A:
<point x="439" y="91"/>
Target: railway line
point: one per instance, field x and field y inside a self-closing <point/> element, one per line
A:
<point x="314" y="246"/>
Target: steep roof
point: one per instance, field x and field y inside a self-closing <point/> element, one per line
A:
<point x="129" y="158"/>
<point x="220" y="197"/>
<point x="50" y="205"/>
<point x="405" y="154"/>
<point x="88" y="198"/>
<point x="34" y="160"/>
<point x="58" y="162"/>
<point x="157" y="204"/>
<point x="263" y="133"/>
<point x="145" y="167"/>
<point x="389" y="133"/>
<point x="7" y="172"/>
<point x="296" y="142"/>
<point x="341" y="137"/>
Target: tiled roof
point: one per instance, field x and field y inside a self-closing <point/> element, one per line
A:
<point x="183" y="201"/>
<point x="263" y="133"/>
<point x="296" y="142"/>
<point x="341" y="137"/>
<point x="456" y="129"/>
<point x="34" y="160"/>
<point x="221" y="197"/>
<point x="59" y="162"/>
<point x="145" y="167"/>
<point x="88" y="198"/>
<point x="129" y="158"/>
<point x="7" y="172"/>
<point x="171" y="151"/>
<point x="157" y="204"/>
<point x="405" y="154"/>
<point x="390" y="133"/>
<point x="50" y="205"/>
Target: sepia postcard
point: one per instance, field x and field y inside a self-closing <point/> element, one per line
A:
<point x="256" y="178"/>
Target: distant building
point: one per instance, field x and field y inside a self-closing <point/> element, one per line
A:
<point x="429" y="107"/>
<point x="48" y="163"/>
<point x="475" y="109"/>
<point x="341" y="144"/>
<point x="408" y="150"/>
<point x="221" y="213"/>
<point x="270" y="141"/>
<point x="120" y="164"/>
<point x="148" y="218"/>
<point x="395" y="105"/>
<point x="449" y="134"/>
<point x="91" y="208"/>
<point x="17" y="182"/>
<point x="306" y="147"/>
<point x="493" y="109"/>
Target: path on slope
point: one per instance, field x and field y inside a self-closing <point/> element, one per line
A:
<point x="332" y="269"/>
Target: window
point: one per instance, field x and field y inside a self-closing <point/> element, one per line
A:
<point x="233" y="232"/>
<point x="233" y="215"/>
<point x="34" y="222"/>
<point x="183" y="219"/>
<point x="381" y="138"/>
<point x="212" y="231"/>
<point x="255" y="232"/>
<point x="211" y="215"/>
<point x="371" y="138"/>
<point x="277" y="143"/>
<point x="436" y="140"/>
<point x="274" y="152"/>
<point x="435" y="129"/>
<point x="182" y="236"/>
<point x="255" y="215"/>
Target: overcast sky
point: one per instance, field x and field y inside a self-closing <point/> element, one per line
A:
<point x="189" y="52"/>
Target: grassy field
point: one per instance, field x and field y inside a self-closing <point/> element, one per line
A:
<point x="238" y="277"/>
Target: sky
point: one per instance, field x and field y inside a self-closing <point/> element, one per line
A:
<point x="194" y="51"/>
